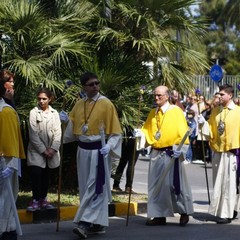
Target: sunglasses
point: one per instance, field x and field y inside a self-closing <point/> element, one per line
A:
<point x="44" y="99"/>
<point x="92" y="84"/>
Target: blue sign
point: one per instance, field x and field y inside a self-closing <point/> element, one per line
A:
<point x="216" y="73"/>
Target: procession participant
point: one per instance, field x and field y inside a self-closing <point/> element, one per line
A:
<point x="11" y="151"/>
<point x="87" y="118"/>
<point x="7" y="78"/>
<point x="164" y="129"/>
<point x="224" y="126"/>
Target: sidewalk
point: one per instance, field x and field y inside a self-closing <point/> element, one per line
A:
<point x="68" y="213"/>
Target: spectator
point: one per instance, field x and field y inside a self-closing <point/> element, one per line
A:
<point x="175" y="99"/>
<point x="192" y="138"/>
<point x="126" y="160"/>
<point x="203" y="135"/>
<point x="43" y="149"/>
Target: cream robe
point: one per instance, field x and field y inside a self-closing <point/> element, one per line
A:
<point x="224" y="198"/>
<point x="173" y="127"/>
<point x="93" y="211"/>
<point x="7" y="220"/>
<point x="11" y="147"/>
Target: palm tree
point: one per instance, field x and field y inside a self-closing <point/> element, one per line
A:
<point x="115" y="39"/>
<point x="231" y="10"/>
<point x="38" y="51"/>
<point x="146" y="31"/>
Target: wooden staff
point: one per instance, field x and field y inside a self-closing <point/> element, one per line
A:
<point x="134" y="154"/>
<point x="68" y="84"/>
<point x="203" y="152"/>
<point x="160" y="181"/>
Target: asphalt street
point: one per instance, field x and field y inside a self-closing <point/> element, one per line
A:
<point x="201" y="224"/>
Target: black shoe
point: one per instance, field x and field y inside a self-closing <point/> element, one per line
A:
<point x="184" y="219"/>
<point x="156" y="221"/>
<point x="235" y="213"/>
<point x="224" y="220"/>
<point x="96" y="229"/>
<point x="12" y="235"/>
<point x="81" y="231"/>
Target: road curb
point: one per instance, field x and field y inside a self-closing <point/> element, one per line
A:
<point x="68" y="212"/>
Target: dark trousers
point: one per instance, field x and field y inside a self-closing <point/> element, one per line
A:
<point x="40" y="182"/>
<point x="126" y="159"/>
<point x="207" y="149"/>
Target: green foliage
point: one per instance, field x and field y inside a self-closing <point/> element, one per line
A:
<point x="222" y="40"/>
<point x="46" y="44"/>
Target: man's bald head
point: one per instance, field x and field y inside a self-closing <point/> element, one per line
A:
<point x="161" y="94"/>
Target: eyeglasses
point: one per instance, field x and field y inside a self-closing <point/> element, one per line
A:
<point x="159" y="95"/>
<point x="92" y="84"/>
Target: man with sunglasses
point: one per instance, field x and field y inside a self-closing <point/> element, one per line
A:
<point x="88" y="117"/>
<point x="164" y="130"/>
<point x="224" y="126"/>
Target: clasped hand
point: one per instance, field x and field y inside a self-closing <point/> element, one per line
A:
<point x="176" y="153"/>
<point x="137" y="133"/>
<point x="105" y="150"/>
<point x="63" y="116"/>
<point x="201" y="119"/>
<point x="7" y="172"/>
<point x="49" y="153"/>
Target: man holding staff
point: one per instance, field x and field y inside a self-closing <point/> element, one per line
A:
<point x="165" y="129"/>
<point x="224" y="126"/>
<point x="92" y="119"/>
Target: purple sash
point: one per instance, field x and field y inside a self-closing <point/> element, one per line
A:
<point x="176" y="177"/>
<point x="100" y="180"/>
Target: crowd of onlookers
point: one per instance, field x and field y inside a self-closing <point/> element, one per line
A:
<point x="193" y="105"/>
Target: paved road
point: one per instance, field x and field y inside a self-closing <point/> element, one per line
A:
<point x="201" y="225"/>
<point x="196" y="173"/>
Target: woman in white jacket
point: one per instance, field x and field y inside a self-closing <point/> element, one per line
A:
<point x="43" y="149"/>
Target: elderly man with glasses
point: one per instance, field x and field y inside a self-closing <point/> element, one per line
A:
<point x="164" y="129"/>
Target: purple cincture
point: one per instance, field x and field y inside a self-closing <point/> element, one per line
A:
<point x="176" y="177"/>
<point x="100" y="178"/>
